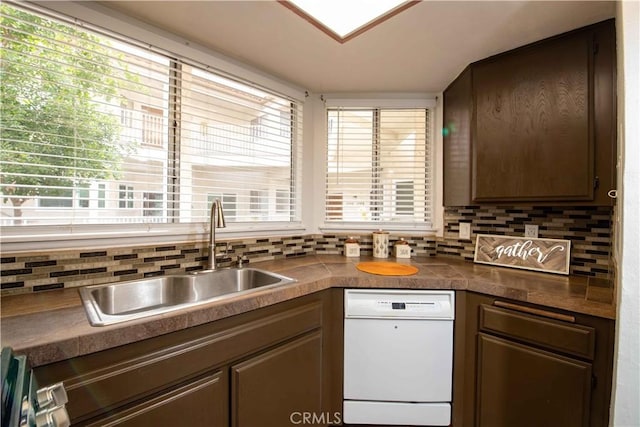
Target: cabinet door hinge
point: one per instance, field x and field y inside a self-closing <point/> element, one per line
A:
<point x="596" y="183"/>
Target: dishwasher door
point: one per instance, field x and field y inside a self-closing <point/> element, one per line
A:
<point x="398" y="356"/>
<point x="398" y="360"/>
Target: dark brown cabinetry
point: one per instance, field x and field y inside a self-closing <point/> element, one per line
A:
<point x="528" y="366"/>
<point x="290" y="373"/>
<point x="202" y="402"/>
<point x="251" y="369"/>
<point x="524" y="386"/>
<point x="534" y="124"/>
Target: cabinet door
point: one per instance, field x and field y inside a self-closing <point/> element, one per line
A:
<point x="522" y="386"/>
<point x="271" y="388"/>
<point x="533" y="123"/>
<point x="457" y="140"/>
<point x="203" y="402"/>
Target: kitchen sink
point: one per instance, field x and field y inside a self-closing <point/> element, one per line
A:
<point x="118" y="302"/>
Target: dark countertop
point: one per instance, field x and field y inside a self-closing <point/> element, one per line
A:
<point x="53" y="326"/>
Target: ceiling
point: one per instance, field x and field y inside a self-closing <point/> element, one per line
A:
<point x="422" y="49"/>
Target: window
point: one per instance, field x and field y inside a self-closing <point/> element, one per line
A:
<point x="95" y="115"/>
<point x="102" y="196"/>
<point x="258" y="203"/>
<point x="153" y="129"/>
<point x="229" y="205"/>
<point x="378" y="166"/>
<point x="125" y="196"/>
<point x="56" y="198"/>
<point x="83" y="197"/>
<point x="404" y="198"/>
<point x="285" y="123"/>
<point x="126" y="114"/>
<point x="243" y="149"/>
<point x="282" y="201"/>
<point x="258" y="129"/>
<point x="152" y="204"/>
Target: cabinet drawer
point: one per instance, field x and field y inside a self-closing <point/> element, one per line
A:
<point x="573" y="339"/>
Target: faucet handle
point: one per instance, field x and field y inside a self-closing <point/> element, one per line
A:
<point x="241" y="259"/>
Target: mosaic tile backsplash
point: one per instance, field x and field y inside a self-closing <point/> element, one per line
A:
<point x="589" y="230"/>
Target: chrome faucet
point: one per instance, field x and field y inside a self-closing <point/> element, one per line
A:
<point x="216" y="220"/>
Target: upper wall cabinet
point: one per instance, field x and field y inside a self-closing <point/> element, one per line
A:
<point x="535" y="124"/>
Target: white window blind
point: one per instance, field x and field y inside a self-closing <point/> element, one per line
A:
<point x="235" y="140"/>
<point x="378" y="166"/>
<point x="99" y="129"/>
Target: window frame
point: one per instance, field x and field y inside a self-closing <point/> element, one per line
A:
<point x="126" y="197"/>
<point x="104" y="20"/>
<point x="383" y="101"/>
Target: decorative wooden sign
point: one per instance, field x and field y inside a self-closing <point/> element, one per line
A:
<point x="548" y="255"/>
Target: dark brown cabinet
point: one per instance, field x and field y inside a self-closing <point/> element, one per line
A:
<point x="520" y="385"/>
<point x="457" y="141"/>
<point x="255" y="368"/>
<point x="525" y="365"/>
<point x="271" y="389"/>
<point x="536" y="124"/>
<point x="202" y="402"/>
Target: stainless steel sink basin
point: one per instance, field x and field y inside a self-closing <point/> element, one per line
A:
<point x="118" y="302"/>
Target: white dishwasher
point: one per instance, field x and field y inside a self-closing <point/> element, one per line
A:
<point x="398" y="356"/>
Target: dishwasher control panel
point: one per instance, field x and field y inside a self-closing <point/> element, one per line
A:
<point x="385" y="303"/>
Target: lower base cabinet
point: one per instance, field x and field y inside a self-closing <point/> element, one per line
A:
<point x="275" y="388"/>
<point x="202" y="402"/>
<point x="259" y="368"/>
<point x="515" y="364"/>
<point x="522" y="386"/>
<point x="518" y="364"/>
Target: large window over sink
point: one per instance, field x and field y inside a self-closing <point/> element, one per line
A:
<point x="99" y="129"/>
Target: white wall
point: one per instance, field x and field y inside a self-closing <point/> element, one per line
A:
<point x="626" y="386"/>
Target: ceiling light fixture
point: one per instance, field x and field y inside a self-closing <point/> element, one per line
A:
<point x="346" y="19"/>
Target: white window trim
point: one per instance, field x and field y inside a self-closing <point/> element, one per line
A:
<point x="31" y="238"/>
<point x="377" y="100"/>
<point x="426" y="102"/>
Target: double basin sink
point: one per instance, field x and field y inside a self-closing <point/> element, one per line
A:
<point x="118" y="302"/>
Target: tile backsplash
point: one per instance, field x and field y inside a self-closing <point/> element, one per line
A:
<point x="588" y="228"/>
